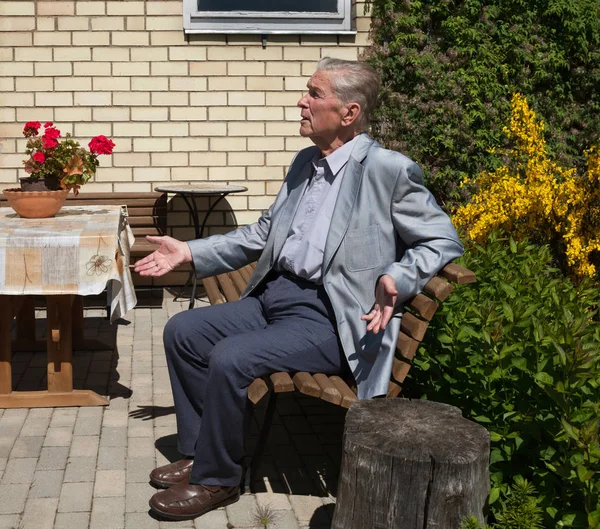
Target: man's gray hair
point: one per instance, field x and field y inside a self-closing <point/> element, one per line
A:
<point x="356" y="82"/>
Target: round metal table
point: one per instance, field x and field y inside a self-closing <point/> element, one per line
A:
<point x="189" y="192"/>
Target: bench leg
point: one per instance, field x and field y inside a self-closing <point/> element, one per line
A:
<point x="262" y="439"/>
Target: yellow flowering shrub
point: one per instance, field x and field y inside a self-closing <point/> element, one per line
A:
<point x="533" y="196"/>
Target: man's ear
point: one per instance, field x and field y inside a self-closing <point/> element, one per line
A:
<point x="352" y="111"/>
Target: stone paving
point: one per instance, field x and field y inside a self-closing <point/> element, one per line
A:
<point x="79" y="468"/>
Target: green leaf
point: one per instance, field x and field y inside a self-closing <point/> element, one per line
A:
<point x="494" y="495"/>
<point x="513" y="245"/>
<point x="544" y="378"/>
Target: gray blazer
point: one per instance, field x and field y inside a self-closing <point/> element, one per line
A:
<point x="385" y="222"/>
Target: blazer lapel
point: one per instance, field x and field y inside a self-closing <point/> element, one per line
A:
<point x="346" y="200"/>
<point x="284" y="220"/>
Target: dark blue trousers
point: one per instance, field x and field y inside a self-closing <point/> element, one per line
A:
<point x="214" y="353"/>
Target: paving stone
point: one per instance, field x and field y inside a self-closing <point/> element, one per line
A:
<point x="140" y="428"/>
<point x="39" y="513"/>
<point x="305" y="506"/>
<point x="9" y="521"/>
<point x="72" y="520"/>
<point x="53" y="458"/>
<point x="139" y="520"/>
<point x="284" y="520"/>
<point x="113" y="436"/>
<point x="111" y="458"/>
<point x="63" y="417"/>
<point x="84" y="446"/>
<point x="13" y="498"/>
<point x="61" y="436"/>
<point x="3" y="462"/>
<point x="141" y="447"/>
<point x="19" y="470"/>
<point x="80" y="469"/>
<point x="139" y="468"/>
<point x="185" y="524"/>
<point x="109" y="483"/>
<point x="242" y="513"/>
<point x="87" y="425"/>
<point x="115" y="419"/>
<point x="46" y="484"/>
<point x="76" y="497"/>
<point x="6" y="444"/>
<point x="108" y="513"/>
<point x="275" y="501"/>
<point x="212" y="520"/>
<point x="137" y="496"/>
<point x="27" y="447"/>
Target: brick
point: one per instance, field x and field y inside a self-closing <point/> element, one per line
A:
<point x="116" y="174"/>
<point x="265" y="113"/>
<point x="75" y="497"/>
<point x="136" y="23"/>
<point x="124" y="8"/>
<point x="226" y="173"/>
<point x="245" y="158"/>
<point x="208" y="159"/>
<point x="170" y="98"/>
<point x="283" y="68"/>
<point x="167" y="23"/>
<point x="246" y="68"/>
<point x="131" y="98"/>
<point x="167" y="38"/>
<point x="151" y="54"/>
<point x="20" y="69"/>
<point x="264" y="83"/>
<point x="265" y="144"/>
<point x="169" y="159"/>
<point x="130" y="38"/>
<point x="208" y="68"/>
<point x="225" y="53"/>
<point x="279" y="158"/>
<point x="282" y="128"/>
<point x="189" y="144"/>
<point x="73" y="114"/>
<point x="112" y="54"/>
<point x="149" y="174"/>
<point x="208" y="99"/>
<point x="16" y="38"/>
<point x="228" y="144"/>
<point x="208" y="129"/>
<point x="7" y="114"/>
<point x="188" y="113"/>
<point x="169" y="129"/>
<point x="17" y="23"/>
<point x="110" y="84"/>
<point x="90" y="8"/>
<point x="6" y="54"/>
<point x="131" y="129"/>
<point x="93" y="69"/>
<point x="150" y="84"/>
<point x="226" y="83"/>
<point x="73" y="54"/>
<point x="246" y="98"/>
<point x="245" y="128"/>
<point x="295" y="83"/>
<point x="163" y="8"/>
<point x="93" y="129"/>
<point x="92" y="99"/>
<point x="87" y="38"/>
<point x="192" y="84"/>
<point x="33" y="84"/>
<point x="149" y="114"/>
<point x="151" y="144"/>
<point x="187" y="53"/>
<point x="131" y="68"/>
<point x="189" y="173"/>
<point x="226" y="113"/>
<point x="107" y="23"/>
<point x="52" y="38"/>
<point x="53" y="99"/>
<point x="168" y="68"/>
<point x="74" y="84"/>
<point x="137" y="159"/>
<point x="53" y="8"/>
<point x="33" y="54"/>
<point x="17" y="9"/>
<point x="72" y="23"/>
<point x="270" y="53"/>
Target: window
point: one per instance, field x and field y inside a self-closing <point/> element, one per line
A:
<point x="267" y="16"/>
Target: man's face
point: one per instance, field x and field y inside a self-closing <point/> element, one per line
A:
<point x="320" y="110"/>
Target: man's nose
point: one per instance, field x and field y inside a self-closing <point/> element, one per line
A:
<point x="302" y="101"/>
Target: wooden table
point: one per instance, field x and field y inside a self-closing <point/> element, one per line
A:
<point x="189" y="192"/>
<point x="79" y="252"/>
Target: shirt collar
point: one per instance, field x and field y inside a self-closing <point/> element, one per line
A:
<point x="338" y="158"/>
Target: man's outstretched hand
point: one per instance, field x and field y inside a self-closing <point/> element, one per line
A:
<point x="170" y="254"/>
<point x="385" y="299"/>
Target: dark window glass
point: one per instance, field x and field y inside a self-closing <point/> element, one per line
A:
<point x="319" y="6"/>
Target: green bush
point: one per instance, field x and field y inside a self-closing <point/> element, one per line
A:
<point x="518" y="353"/>
<point x="450" y="67"/>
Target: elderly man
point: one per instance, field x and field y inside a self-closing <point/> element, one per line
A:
<point x="352" y="233"/>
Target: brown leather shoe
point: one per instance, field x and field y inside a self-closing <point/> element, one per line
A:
<point x="171" y="474"/>
<point x="185" y="501"/>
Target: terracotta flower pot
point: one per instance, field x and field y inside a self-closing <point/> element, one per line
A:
<point x="36" y="204"/>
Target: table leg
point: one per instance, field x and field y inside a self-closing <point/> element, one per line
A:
<point x="59" y="343"/>
<point x="6" y="316"/>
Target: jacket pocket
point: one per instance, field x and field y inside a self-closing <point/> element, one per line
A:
<point x="361" y="248"/>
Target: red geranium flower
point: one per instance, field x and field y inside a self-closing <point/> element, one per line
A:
<point x="101" y="145"/>
<point x="49" y="137"/>
<point x="48" y="124"/>
<point x="31" y="128"/>
<point x="39" y="157"/>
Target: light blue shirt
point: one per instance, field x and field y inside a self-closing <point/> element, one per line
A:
<point x="302" y="252"/>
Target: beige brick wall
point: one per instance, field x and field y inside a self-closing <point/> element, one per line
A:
<point x="184" y="109"/>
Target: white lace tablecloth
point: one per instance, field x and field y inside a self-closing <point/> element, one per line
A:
<point x="82" y="251"/>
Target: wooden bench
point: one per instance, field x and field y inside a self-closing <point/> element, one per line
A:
<point x="418" y="312"/>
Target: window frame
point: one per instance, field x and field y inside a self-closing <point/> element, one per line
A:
<point x="268" y="23"/>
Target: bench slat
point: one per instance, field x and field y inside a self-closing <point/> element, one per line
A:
<point x="413" y="326"/>
<point x="393" y="390"/>
<point x="438" y="288"/>
<point x="238" y="280"/>
<point x="406" y="345"/>
<point x="212" y="291"/>
<point x="458" y="274"/>
<point x="400" y="369"/>
<point x="305" y="383"/>
<point x="246" y="272"/>
<point x="227" y="287"/>
<point x="424" y="306"/>
<point x="348" y="396"/>
<point x="328" y="391"/>
<point x="282" y="382"/>
<point x="257" y="390"/>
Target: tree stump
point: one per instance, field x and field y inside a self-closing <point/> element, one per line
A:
<point x="411" y="464"/>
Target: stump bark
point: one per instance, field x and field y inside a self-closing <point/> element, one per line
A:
<point x="411" y="464"/>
